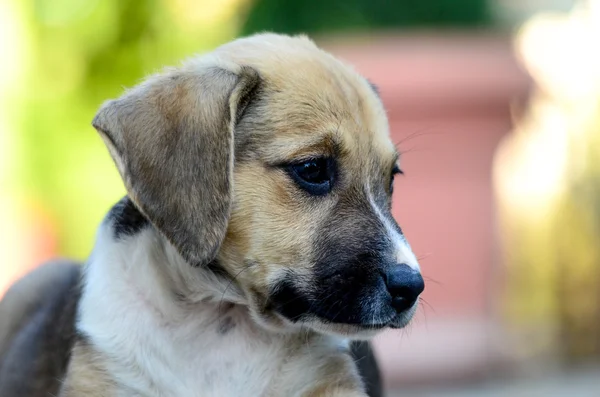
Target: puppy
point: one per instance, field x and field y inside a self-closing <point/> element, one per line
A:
<point x="255" y="240"/>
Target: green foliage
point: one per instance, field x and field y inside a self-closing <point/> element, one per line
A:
<point x="82" y="53"/>
<point x="318" y="16"/>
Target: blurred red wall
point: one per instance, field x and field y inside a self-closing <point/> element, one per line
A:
<point x="448" y="98"/>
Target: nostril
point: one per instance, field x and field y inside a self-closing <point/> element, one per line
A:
<point x="404" y="284"/>
<point x="400" y="304"/>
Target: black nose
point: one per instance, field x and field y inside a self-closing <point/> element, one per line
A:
<point x="405" y="284"/>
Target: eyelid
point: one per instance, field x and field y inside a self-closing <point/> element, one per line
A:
<point x="297" y="160"/>
<point x="307" y="158"/>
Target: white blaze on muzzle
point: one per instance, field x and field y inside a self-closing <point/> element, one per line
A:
<point x="402" y="251"/>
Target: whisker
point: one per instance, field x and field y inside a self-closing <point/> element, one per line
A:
<point x="424" y="302"/>
<point x="412" y="149"/>
<point x="424" y="312"/>
<point x="416" y="134"/>
<point x="431" y="280"/>
<point x="424" y="256"/>
<point x="234" y="278"/>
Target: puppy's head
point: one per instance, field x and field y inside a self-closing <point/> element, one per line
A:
<point x="272" y="159"/>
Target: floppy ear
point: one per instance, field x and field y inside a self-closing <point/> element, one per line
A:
<point x="171" y="138"/>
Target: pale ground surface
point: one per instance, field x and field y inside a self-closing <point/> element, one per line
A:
<point x="584" y="383"/>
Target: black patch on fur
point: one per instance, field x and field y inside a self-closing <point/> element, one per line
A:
<point x="352" y="250"/>
<point x="367" y="367"/>
<point x="225" y="325"/>
<point x="250" y="124"/>
<point x="375" y="88"/>
<point x="82" y="338"/>
<point x="288" y="301"/>
<point x="127" y="220"/>
<point x="351" y="253"/>
<point x="249" y="93"/>
<point x="215" y="267"/>
<point x="36" y="360"/>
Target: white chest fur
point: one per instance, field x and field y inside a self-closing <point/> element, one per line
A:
<point x="154" y="346"/>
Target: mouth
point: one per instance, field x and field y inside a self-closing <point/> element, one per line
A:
<point x="350" y="317"/>
<point x="402" y="319"/>
<point x="351" y="330"/>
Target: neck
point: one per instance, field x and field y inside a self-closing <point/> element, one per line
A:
<point x="131" y="249"/>
<point x="160" y="326"/>
<point x="156" y="323"/>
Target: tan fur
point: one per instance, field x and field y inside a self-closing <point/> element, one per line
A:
<point x="340" y="379"/>
<point x="87" y="375"/>
<point x="316" y="105"/>
<point x="316" y="101"/>
<point x="200" y="149"/>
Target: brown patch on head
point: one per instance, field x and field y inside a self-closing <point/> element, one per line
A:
<point x="307" y="96"/>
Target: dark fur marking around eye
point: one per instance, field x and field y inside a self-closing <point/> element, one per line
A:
<point x="127" y="219"/>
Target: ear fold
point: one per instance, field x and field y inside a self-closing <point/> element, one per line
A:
<point x="171" y="138"/>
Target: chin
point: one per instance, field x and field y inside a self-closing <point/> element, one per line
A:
<point x="366" y="330"/>
<point x="404" y="318"/>
<point x="348" y="331"/>
<point x="362" y="331"/>
<point x="278" y="323"/>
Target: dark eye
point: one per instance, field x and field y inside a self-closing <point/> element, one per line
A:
<point x="395" y="171"/>
<point x="315" y="176"/>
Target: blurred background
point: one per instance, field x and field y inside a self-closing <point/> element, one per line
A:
<point x="495" y="105"/>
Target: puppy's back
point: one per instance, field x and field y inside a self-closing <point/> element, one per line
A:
<point x="37" y="317"/>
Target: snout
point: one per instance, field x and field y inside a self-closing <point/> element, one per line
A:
<point x="363" y="277"/>
<point x="404" y="285"/>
